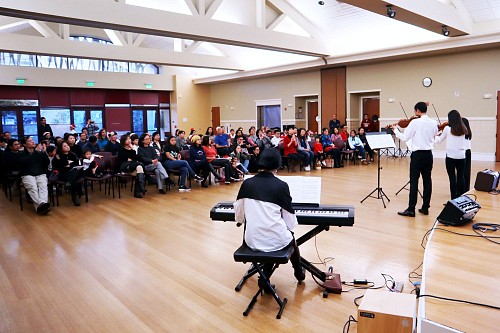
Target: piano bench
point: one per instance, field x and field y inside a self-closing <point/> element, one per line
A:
<point x="258" y="259"/>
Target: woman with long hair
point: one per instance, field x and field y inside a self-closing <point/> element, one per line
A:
<point x="67" y="163"/>
<point x="129" y="163"/>
<point x="173" y="162"/>
<point x="305" y="150"/>
<point x="454" y="134"/>
<point x="468" y="139"/>
<point x="211" y="155"/>
<point x="210" y="132"/>
<point x="102" y="139"/>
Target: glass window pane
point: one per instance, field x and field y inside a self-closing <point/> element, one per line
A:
<point x="137" y="121"/>
<point x="9" y="123"/>
<point x="58" y="119"/>
<point x="272" y="116"/>
<point x="96" y="116"/>
<point x="152" y="125"/>
<point x="30" y="124"/>
<point x="79" y="119"/>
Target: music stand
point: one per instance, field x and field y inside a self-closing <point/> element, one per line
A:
<point x="379" y="141"/>
<point x="404" y="188"/>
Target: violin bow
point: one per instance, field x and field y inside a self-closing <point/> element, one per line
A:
<point x="436" y="114"/>
<point x="403" y="110"/>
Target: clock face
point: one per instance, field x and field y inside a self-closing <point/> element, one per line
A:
<point x="427" y="81"/>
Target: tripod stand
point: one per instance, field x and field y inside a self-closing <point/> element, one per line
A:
<point x="404" y="188"/>
<point x="380" y="192"/>
<point x="399" y="151"/>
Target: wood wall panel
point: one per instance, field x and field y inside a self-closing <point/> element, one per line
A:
<point x="333" y="94"/>
<point x="88" y="97"/>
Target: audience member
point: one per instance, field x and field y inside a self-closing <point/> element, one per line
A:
<point x="113" y="145"/>
<point x="102" y="139"/>
<point x="147" y="155"/>
<point x="173" y="161"/>
<point x="198" y="161"/>
<point x="211" y="155"/>
<point x="356" y="145"/>
<point x="43" y="127"/>
<point x="129" y="163"/>
<point x="69" y="170"/>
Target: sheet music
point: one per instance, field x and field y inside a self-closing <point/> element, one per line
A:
<point x="304" y="190"/>
<point x="380" y="140"/>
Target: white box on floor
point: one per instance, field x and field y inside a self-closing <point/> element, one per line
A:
<point x="384" y="311"/>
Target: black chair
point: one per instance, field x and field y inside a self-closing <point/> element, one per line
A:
<point x="121" y="177"/>
<point x="105" y="166"/>
<point x="258" y="259"/>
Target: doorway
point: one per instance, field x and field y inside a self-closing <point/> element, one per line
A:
<point x="312" y="114"/>
<point x="371" y="107"/>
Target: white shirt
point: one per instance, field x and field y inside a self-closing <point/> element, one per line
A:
<point x="455" y="145"/>
<point x="268" y="227"/>
<point x="421" y="132"/>
<point x="468" y="144"/>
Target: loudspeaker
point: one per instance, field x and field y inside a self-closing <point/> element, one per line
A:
<point x="486" y="180"/>
<point x="459" y="211"/>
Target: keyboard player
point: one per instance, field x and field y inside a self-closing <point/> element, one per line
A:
<point x="264" y="204"/>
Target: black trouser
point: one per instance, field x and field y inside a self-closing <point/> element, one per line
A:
<point x="421" y="163"/>
<point x="467" y="170"/>
<point x="294" y="260"/>
<point x="455" y="169"/>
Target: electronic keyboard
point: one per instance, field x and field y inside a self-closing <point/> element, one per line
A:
<point x="321" y="215"/>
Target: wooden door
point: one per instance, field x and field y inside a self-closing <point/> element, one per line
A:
<point x="215" y="116"/>
<point x="497" y="156"/>
<point x="371" y="106"/>
<point x="312" y="113"/>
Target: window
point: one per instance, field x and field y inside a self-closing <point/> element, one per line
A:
<point x="58" y="119"/>
<point x="30" y="125"/>
<point x="9" y="123"/>
<point x="137" y="121"/>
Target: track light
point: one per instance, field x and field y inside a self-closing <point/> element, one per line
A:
<point x="390" y="11"/>
<point x="445" y="31"/>
<point x="321" y="3"/>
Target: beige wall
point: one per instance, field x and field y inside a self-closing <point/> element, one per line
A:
<point x="237" y="99"/>
<point x="190" y="104"/>
<point x="50" y="77"/>
<point x="459" y="82"/>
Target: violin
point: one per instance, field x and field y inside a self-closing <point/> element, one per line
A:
<point x="403" y="123"/>
<point x="442" y="125"/>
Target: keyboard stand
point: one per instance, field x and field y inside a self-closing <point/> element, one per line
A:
<point x="304" y="262"/>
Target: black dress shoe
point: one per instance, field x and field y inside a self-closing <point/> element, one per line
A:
<point x="407" y="212"/>
<point x="423" y="211"/>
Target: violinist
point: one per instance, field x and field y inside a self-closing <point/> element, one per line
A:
<point x="421" y="131"/>
<point x="454" y="134"/>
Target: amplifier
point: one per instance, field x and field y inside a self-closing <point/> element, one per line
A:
<point x="486" y="180"/>
<point x="459" y="211"/>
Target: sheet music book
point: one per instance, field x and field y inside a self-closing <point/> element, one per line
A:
<point x="304" y="190"/>
<point x="380" y="140"/>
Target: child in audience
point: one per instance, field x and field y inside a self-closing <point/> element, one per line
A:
<point x="235" y="172"/>
<point x="90" y="167"/>
<point x="318" y="150"/>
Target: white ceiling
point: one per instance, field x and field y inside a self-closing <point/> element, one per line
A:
<point x="344" y="31"/>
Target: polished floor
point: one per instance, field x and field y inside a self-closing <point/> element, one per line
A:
<point x="159" y="264"/>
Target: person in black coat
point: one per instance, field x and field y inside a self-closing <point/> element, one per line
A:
<point x="43" y="128"/>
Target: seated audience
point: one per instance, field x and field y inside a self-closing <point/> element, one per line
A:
<point x="92" y="145"/>
<point x="356" y="144"/>
<point x="362" y="137"/>
<point x="34" y="163"/>
<point x="76" y="149"/>
<point x="242" y="158"/>
<point x="69" y="171"/>
<point x="129" y="163"/>
<point x="304" y="150"/>
<point x="113" y="145"/>
<point x="173" y="161"/>
<point x="182" y="143"/>
<point x="329" y="148"/>
<point x="212" y="158"/>
<point x="83" y="139"/>
<point x="198" y="161"/>
<point x="90" y="166"/>
<point x="222" y="142"/>
<point x="253" y="166"/>
<point x="102" y="139"/>
<point x="147" y="155"/>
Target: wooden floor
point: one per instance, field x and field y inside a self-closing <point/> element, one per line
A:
<point x="159" y="264"/>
